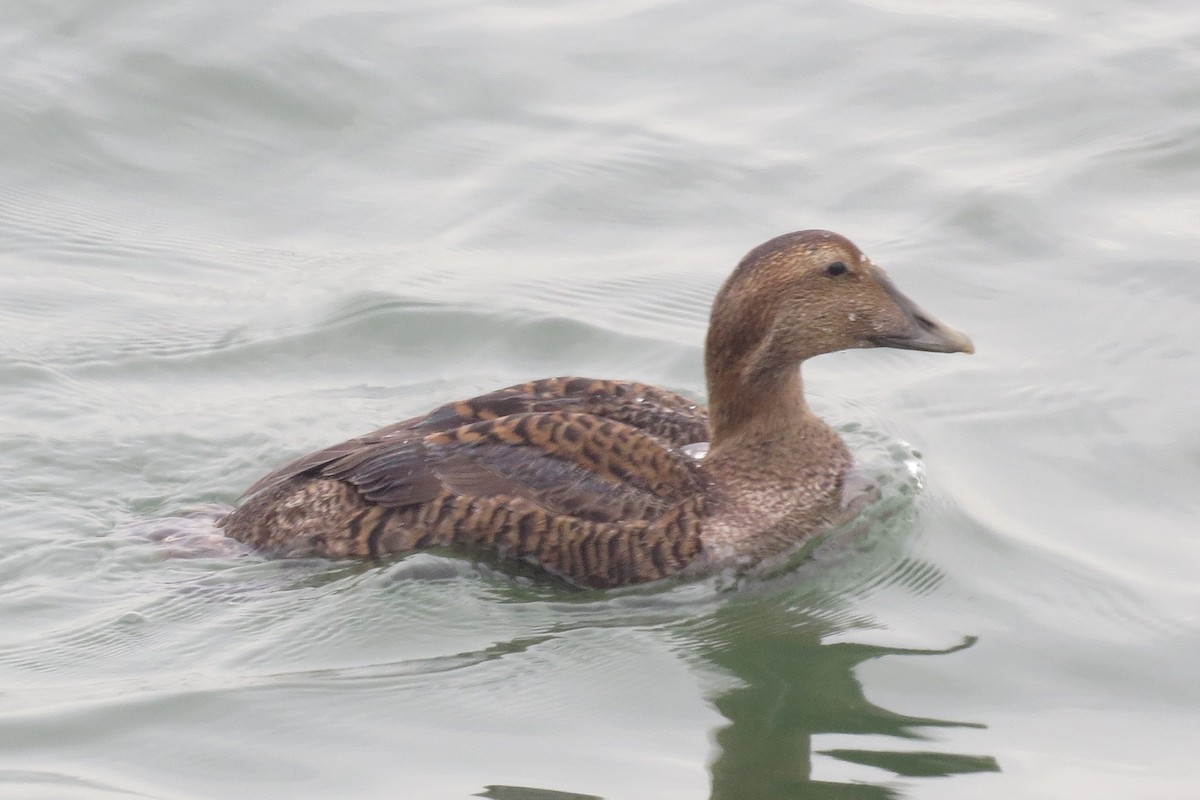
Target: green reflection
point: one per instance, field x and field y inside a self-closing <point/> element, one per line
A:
<point x="918" y="764"/>
<point x="792" y="687"/>
<point x="500" y="792"/>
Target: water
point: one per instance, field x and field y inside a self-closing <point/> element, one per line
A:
<point x="230" y="234"/>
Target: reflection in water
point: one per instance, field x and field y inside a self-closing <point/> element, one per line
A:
<point x="498" y="792"/>
<point x="790" y="687"/>
<point x="793" y="687"/>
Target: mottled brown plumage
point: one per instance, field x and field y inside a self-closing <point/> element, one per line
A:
<point x="586" y="478"/>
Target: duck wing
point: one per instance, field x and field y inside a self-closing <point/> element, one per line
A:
<point x="591" y="498"/>
<point x="671" y="419"/>
<point x="565" y="463"/>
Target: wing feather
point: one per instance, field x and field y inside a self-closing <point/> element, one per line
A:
<point x="389" y="464"/>
<point x="565" y="463"/>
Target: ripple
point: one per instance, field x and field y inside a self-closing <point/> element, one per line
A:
<point x="33" y="784"/>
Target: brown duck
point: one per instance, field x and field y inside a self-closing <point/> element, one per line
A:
<point x="586" y="478"/>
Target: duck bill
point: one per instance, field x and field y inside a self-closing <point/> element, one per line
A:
<point x="919" y="330"/>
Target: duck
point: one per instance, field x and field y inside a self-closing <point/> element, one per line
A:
<point x="599" y="482"/>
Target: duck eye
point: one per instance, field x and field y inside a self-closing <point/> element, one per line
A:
<point x="836" y="268"/>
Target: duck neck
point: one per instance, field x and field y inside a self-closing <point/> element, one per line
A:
<point x="756" y="405"/>
<point x="759" y="409"/>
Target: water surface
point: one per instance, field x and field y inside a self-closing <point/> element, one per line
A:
<point x="230" y="234"/>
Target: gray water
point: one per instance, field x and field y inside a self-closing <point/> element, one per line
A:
<point x="231" y="233"/>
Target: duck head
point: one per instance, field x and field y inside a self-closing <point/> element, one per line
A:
<point x="801" y="295"/>
<point x="812" y="292"/>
